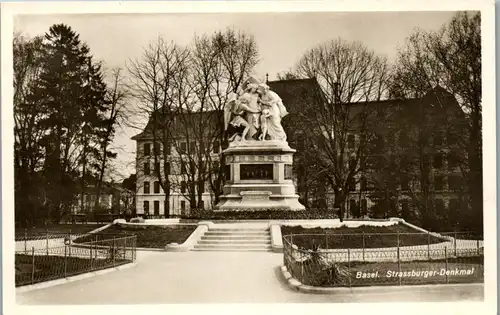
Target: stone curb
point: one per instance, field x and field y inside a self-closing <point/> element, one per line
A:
<point x="146" y="249"/>
<point x="52" y="283"/>
<point x="298" y="286"/>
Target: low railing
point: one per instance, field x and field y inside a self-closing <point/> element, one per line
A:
<point x="54" y="258"/>
<point x="346" y="260"/>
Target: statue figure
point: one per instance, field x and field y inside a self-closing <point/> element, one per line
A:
<point x="249" y="98"/>
<point x="234" y="111"/>
<point x="272" y="112"/>
<point x="256" y="108"/>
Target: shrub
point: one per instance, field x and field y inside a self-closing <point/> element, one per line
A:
<point x="137" y="220"/>
<point x="262" y="214"/>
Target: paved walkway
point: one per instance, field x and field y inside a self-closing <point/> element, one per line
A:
<point x="215" y="277"/>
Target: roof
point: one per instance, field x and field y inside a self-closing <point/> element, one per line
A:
<point x="297" y="96"/>
<point x="178" y="122"/>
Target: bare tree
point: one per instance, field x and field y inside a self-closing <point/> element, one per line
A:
<point x="28" y="131"/>
<point x="350" y="76"/>
<point x="451" y="59"/>
<point x="159" y="84"/>
<point x="116" y="117"/>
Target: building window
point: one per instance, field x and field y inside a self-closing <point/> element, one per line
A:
<point x="167" y="168"/>
<point x="439" y="205"/>
<point x="362" y="139"/>
<point x="192" y="147"/>
<point x="364" y="207"/>
<point x="438" y="161"/>
<point x="147" y="149"/>
<point x="452" y="161"/>
<point x="201" y="187"/>
<point x="438" y="183"/>
<point x="183" y="168"/>
<point x="215" y="166"/>
<point x="146" y="187"/>
<point x="352" y="163"/>
<point x="157" y="148"/>
<point x="183" y="206"/>
<point x="454" y="182"/>
<point x="380" y="142"/>
<point x="350" y="141"/>
<point x="403" y="139"/>
<point x="405" y="184"/>
<point x="405" y="209"/>
<point x="147" y="169"/>
<point x="157" y="187"/>
<point x="438" y="138"/>
<point x="362" y="184"/>
<point x="192" y="167"/>
<point x="352" y="184"/>
<point x="454" y="205"/>
<point x="216" y="147"/>
<point x="157" y="168"/>
<point x="146" y="207"/>
<point x="390" y="138"/>
<point x="183" y="187"/>
<point x="183" y="148"/>
<point x="451" y="139"/>
<point x="156" y="206"/>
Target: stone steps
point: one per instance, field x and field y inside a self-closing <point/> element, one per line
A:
<point x="235" y="239"/>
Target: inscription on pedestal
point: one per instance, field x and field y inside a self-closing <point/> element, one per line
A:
<point x="256" y="171"/>
<point x="255" y="195"/>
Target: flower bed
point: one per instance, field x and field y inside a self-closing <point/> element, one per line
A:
<point x="364" y="236"/>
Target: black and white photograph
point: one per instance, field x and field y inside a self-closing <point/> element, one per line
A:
<point x="163" y="154"/>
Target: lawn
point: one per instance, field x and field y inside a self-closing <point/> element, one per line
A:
<point x="349" y="237"/>
<point x="148" y="236"/>
<point x="53" y="267"/>
<point x="54" y="230"/>
<point x="470" y="270"/>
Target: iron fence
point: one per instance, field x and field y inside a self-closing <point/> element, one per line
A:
<point x="63" y="257"/>
<point x="346" y="260"/>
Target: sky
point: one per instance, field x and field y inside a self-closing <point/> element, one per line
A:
<point x="282" y="38"/>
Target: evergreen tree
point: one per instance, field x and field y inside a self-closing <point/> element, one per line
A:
<point x="71" y="92"/>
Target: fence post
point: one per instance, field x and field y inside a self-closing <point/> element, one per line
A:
<point x="478" y="246"/>
<point x="25" y="241"/>
<point x="125" y="248"/>
<point x="32" y="265"/>
<point x="114" y="252"/>
<point x="69" y="242"/>
<point x="349" y="265"/>
<point x="455" y="243"/>
<point x="399" y="262"/>
<point x="446" y="262"/>
<point x="65" y="261"/>
<point x="47" y="240"/>
<point x="363" y="246"/>
<point x="429" y="245"/>
<point x="95" y="254"/>
<point x="301" y="267"/>
<point x="91" y="256"/>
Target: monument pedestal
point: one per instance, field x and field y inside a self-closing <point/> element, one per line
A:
<point x="259" y="177"/>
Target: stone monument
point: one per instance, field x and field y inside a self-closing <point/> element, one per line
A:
<point x="258" y="160"/>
